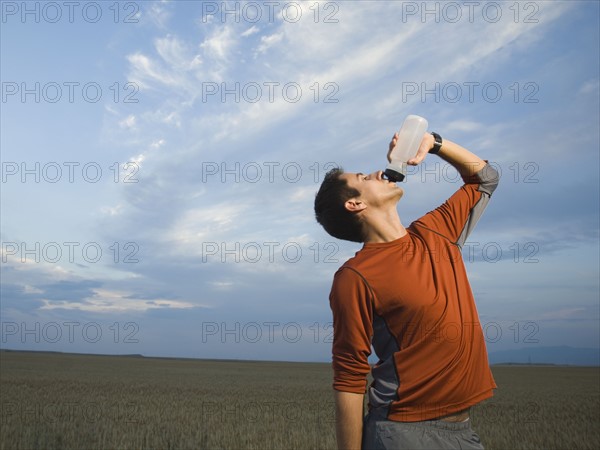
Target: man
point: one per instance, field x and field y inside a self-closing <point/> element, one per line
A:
<point x="406" y="293"/>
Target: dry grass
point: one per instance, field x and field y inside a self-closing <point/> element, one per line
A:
<point x="545" y="407"/>
<point x="77" y="401"/>
<point x="56" y="401"/>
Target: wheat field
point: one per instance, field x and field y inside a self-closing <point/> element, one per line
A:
<point x="66" y="401"/>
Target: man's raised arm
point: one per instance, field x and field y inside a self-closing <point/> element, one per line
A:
<point x="466" y="162"/>
<point x="457" y="217"/>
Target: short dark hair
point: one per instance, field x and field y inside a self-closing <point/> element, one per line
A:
<point x="330" y="210"/>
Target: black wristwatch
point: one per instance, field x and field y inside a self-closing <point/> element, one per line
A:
<point x="437" y="145"/>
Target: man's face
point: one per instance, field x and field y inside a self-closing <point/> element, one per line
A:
<point x="374" y="190"/>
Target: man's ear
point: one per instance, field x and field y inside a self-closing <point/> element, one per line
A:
<point x="355" y="205"/>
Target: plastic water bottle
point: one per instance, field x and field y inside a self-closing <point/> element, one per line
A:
<point x="409" y="140"/>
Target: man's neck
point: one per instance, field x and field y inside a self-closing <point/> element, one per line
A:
<point x="384" y="226"/>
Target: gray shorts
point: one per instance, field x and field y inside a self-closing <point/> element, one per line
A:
<point x="380" y="433"/>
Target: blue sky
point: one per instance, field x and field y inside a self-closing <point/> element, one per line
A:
<point x="160" y="160"/>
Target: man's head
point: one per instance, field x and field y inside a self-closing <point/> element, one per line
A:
<point x="346" y="200"/>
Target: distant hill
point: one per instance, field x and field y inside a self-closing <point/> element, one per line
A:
<point x="560" y="355"/>
<point x="128" y="355"/>
<point x="548" y="355"/>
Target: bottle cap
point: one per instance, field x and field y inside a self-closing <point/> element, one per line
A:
<point x="393" y="175"/>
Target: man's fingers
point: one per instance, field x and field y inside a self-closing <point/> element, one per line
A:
<point x="420" y="156"/>
<point x="393" y="141"/>
<point x="392" y="145"/>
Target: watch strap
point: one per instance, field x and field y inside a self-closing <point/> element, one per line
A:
<point x="437" y="145"/>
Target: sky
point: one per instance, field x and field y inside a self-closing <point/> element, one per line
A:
<point x="160" y="161"/>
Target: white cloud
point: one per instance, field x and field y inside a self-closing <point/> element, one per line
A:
<point x="220" y="44"/>
<point x="304" y="240"/>
<point x="31" y="290"/>
<point x="199" y="226"/>
<point x="267" y="42"/>
<point x="221" y="285"/>
<point x="155" y="145"/>
<point x="112" y="210"/>
<point x="176" y="55"/>
<point x="128" y="122"/>
<point x="144" y="72"/>
<point x="250" y="31"/>
<point x="158" y="13"/>
<point x="303" y="194"/>
<point x="16" y="257"/>
<point x="173" y="118"/>
<point x="110" y="301"/>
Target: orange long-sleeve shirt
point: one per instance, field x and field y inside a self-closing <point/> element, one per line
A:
<point x="411" y="299"/>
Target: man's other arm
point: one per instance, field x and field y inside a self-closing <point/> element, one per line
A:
<point x="348" y="420"/>
<point x="350" y="301"/>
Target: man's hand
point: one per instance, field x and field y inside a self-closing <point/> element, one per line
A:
<point x="426" y="145"/>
